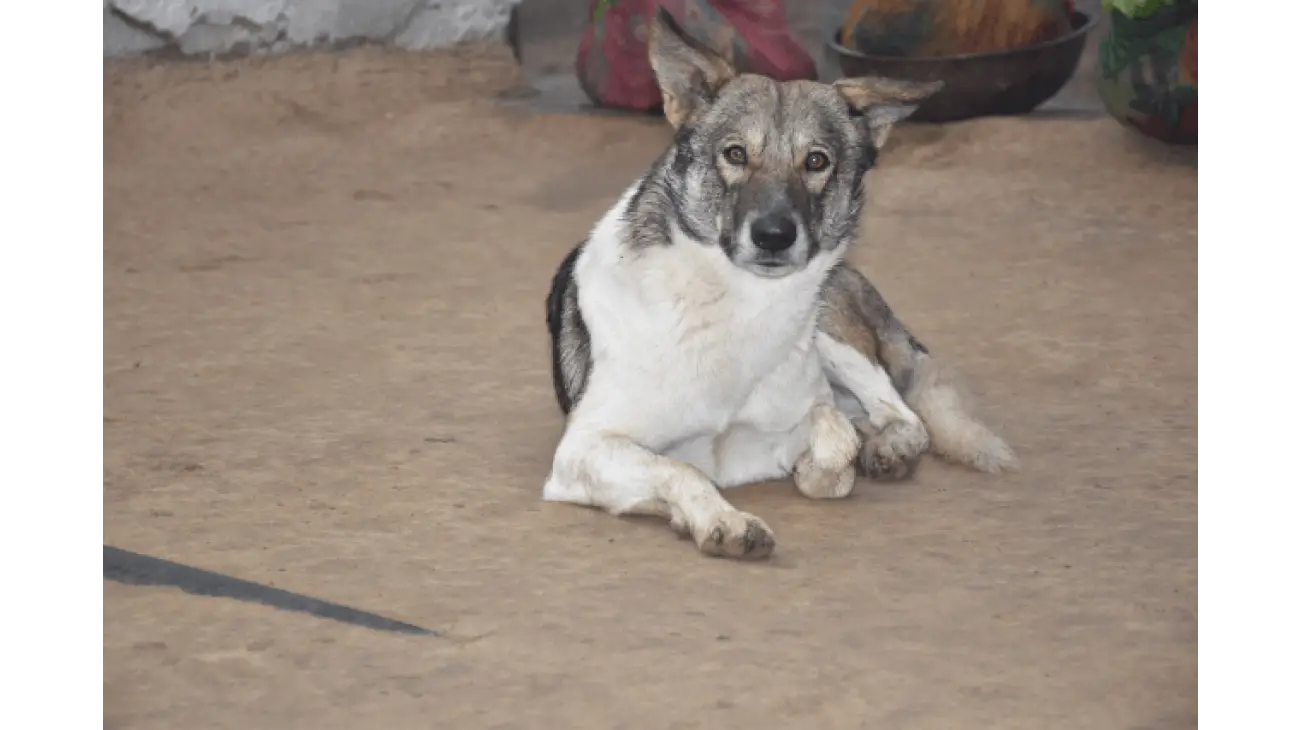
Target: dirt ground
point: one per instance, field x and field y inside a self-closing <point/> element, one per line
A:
<point x="326" y="369"/>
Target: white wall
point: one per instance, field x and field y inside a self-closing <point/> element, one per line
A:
<point x="203" y="27"/>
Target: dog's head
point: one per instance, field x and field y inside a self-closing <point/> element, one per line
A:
<point x="773" y="172"/>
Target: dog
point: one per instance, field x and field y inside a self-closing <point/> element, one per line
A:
<point x="708" y="333"/>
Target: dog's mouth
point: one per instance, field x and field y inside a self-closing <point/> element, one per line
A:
<point x="771" y="268"/>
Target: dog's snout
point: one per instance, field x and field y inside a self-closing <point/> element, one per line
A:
<point x="774" y="232"/>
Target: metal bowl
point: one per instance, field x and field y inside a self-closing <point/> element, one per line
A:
<point x="1014" y="81"/>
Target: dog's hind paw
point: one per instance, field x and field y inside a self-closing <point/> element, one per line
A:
<point x="892" y="453"/>
<point x="735" y="534"/>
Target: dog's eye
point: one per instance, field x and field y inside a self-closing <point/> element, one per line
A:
<point x="816" y="162"/>
<point x="736" y="155"/>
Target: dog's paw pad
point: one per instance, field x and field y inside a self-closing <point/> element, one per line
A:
<point x="881" y="468"/>
<point x="737" y="535"/>
<point x="894" y="452"/>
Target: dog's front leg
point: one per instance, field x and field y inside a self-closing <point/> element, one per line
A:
<point x="617" y="474"/>
<point x="826" y="470"/>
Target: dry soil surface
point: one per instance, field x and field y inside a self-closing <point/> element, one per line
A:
<point x="326" y="369"/>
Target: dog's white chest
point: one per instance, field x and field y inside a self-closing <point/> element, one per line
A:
<point x="712" y="349"/>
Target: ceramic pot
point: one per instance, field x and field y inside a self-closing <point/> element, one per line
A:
<point x="1147" y="78"/>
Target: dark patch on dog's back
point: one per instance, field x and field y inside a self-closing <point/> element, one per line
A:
<point x="570" y="340"/>
<point x="560" y="283"/>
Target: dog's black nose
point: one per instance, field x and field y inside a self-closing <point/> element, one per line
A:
<point x="774" y="232"/>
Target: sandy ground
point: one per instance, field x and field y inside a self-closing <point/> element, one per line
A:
<point x="326" y="369"/>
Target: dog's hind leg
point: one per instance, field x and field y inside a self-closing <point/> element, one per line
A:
<point x="622" y="477"/>
<point x="868" y="339"/>
<point x="893" y="435"/>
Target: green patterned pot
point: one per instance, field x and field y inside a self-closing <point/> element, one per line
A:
<point x="1148" y="70"/>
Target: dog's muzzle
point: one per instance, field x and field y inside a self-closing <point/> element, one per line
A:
<point x="774" y="245"/>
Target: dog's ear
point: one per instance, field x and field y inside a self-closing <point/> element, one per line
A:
<point x="882" y="103"/>
<point x="689" y="74"/>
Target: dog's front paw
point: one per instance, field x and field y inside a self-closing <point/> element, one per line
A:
<point x="825" y="470"/>
<point x="893" y="452"/>
<point x="734" y="534"/>
<point x="821" y="482"/>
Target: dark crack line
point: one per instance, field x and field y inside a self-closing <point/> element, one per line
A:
<point x="124" y="566"/>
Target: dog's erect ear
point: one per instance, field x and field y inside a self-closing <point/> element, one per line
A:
<point x="689" y="73"/>
<point x="884" y="102"/>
